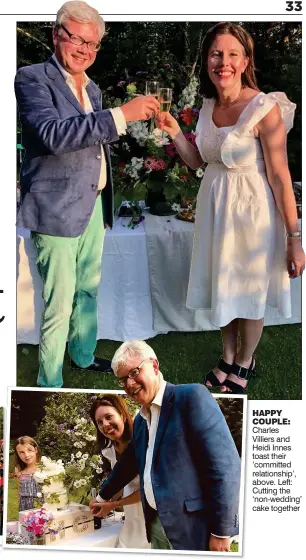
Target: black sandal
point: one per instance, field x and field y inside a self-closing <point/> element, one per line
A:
<point x="242" y="373"/>
<point x="213" y="379"/>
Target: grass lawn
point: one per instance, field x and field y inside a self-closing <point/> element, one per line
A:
<point x="12" y="502"/>
<point x="186" y="357"/>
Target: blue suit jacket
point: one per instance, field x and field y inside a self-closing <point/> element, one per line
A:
<point x="195" y="468"/>
<point x="61" y="168"/>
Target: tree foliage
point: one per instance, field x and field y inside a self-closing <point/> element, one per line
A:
<point x="232" y="410"/>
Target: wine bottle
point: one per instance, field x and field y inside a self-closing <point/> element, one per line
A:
<point x="97" y="520"/>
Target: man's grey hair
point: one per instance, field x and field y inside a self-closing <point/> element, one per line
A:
<point x="129" y="350"/>
<point x="80" y="12"/>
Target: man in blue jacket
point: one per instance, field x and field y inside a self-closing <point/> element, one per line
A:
<point x="185" y="456"/>
<point x="66" y="185"/>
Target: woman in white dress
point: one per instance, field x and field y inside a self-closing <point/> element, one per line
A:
<point x="114" y="425"/>
<point x="247" y="243"/>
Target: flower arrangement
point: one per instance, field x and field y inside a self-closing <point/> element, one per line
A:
<point x="147" y="162"/>
<point x="36" y="522"/>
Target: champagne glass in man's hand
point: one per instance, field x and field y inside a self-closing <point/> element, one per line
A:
<point x="152" y="89"/>
<point x="140" y="108"/>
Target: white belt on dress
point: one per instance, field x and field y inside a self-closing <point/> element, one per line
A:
<point x="257" y="167"/>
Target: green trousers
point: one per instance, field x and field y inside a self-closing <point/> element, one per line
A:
<point x="159" y="538"/>
<point x="70" y="268"/>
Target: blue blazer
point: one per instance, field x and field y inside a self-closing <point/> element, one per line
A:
<point x="61" y="168"/>
<point x="195" y="468"/>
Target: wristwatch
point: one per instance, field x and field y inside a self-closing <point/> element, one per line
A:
<point x="294" y="234"/>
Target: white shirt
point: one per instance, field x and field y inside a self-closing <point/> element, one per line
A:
<point x="151" y="416"/>
<point x="117" y="114"/>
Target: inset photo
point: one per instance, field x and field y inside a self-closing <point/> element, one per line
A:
<point x="103" y="470"/>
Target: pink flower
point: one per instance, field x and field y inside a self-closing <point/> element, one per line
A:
<point x="190" y="137"/>
<point x="154" y="164"/>
<point x="171" y="149"/>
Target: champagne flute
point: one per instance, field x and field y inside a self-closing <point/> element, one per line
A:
<point x="165" y="98"/>
<point x="152" y="88"/>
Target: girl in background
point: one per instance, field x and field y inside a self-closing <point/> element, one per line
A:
<point x="27" y="458"/>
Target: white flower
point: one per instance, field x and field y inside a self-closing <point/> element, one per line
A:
<point x="83" y="482"/>
<point x="133" y="167"/>
<point x="72" y="457"/>
<point x="77" y="484"/>
<point x="89" y="437"/>
<point x="199" y="172"/>
<point x="77" y="433"/>
<point x="85" y="456"/>
<point x="98" y="470"/>
<point x="68" y="432"/>
<point x="39" y="477"/>
<point x="162" y="141"/>
<point x="39" y="494"/>
<point x="175" y="207"/>
<point x="77" y="444"/>
<point x="78" y="454"/>
<point x="189" y="94"/>
<point x="139" y="131"/>
<point x="126" y="146"/>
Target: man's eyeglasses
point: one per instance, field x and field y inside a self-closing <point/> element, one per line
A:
<point x="76" y="40"/>
<point x="132" y="375"/>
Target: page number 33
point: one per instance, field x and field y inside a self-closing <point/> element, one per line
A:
<point x="294" y="6"/>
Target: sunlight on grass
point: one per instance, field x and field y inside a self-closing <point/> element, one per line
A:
<point x="187" y="357"/>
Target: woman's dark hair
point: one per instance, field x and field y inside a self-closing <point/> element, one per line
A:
<point x="25" y="440"/>
<point x="248" y="78"/>
<point x="120" y="405"/>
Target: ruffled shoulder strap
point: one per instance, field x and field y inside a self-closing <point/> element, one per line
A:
<point x="256" y="110"/>
<point x="261" y="105"/>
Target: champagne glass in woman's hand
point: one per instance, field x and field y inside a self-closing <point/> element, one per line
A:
<point x="152" y="89"/>
<point x="165" y="98"/>
<point x="168" y="123"/>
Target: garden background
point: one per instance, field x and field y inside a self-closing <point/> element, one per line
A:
<point x="170" y="52"/>
<point x="61" y="425"/>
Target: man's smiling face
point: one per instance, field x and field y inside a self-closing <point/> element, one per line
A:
<point x="143" y="388"/>
<point x="75" y="58"/>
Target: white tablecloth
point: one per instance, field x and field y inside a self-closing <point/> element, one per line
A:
<point x="169" y="244"/>
<point x="124" y="301"/>
<point x="106" y="537"/>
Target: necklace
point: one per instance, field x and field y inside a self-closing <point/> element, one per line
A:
<point x="223" y="107"/>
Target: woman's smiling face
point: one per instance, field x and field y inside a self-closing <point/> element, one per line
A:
<point x="226" y="62"/>
<point x="110" y="423"/>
